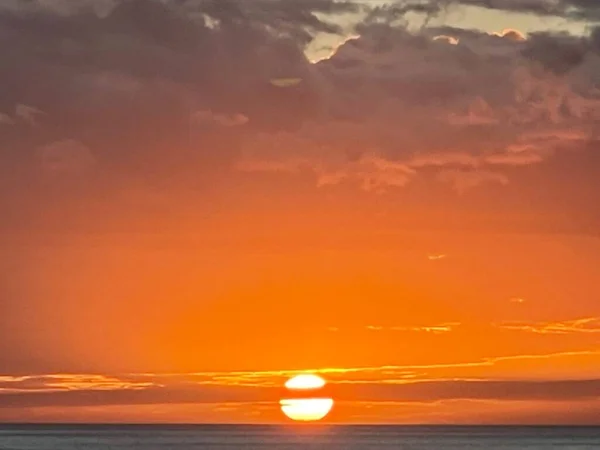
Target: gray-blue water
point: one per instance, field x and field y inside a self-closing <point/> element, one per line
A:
<point x="225" y="437"/>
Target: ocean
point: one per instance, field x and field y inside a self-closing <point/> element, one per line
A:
<point x="259" y="437"/>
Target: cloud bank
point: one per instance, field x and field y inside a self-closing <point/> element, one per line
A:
<point x="133" y="101"/>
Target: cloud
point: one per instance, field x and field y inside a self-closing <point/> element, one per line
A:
<point x="372" y="173"/>
<point x="483" y="130"/>
<point x="463" y="181"/>
<point x="137" y="397"/>
<point x="5" y="119"/>
<point x="66" y="157"/>
<point x="430" y="391"/>
<point x="436" y="257"/>
<point x="202" y="117"/>
<point x="486" y="368"/>
<point x="23" y="113"/>
<point x="71" y="391"/>
<point x="558" y="53"/>
<point x="285" y="82"/>
<point x="499" y="379"/>
<point x="61" y="7"/>
<point x="28" y="113"/>
<point x="588" y="325"/>
<point x="395" y="12"/>
<point x="512" y="34"/>
<point x="434" y="329"/>
<point x="447" y="39"/>
<point x="570" y="9"/>
<point x="162" y="100"/>
<point x="298" y="20"/>
<point x="68" y="383"/>
<point x="126" y="82"/>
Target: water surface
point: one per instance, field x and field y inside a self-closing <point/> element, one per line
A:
<point x="258" y="437"/>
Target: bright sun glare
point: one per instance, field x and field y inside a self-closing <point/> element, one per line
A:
<point x="306" y="409"/>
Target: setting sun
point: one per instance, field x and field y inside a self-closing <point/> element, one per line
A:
<point x="307" y="409"/>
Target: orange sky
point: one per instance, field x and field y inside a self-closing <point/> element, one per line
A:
<point x="167" y="325"/>
<point x="414" y="220"/>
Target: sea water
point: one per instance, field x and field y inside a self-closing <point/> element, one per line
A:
<point x="259" y="437"/>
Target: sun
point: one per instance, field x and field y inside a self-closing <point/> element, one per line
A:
<point x="306" y="410"/>
<point x="305" y="382"/>
<point x="310" y="408"/>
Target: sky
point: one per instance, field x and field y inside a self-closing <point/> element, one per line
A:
<point x="200" y="199"/>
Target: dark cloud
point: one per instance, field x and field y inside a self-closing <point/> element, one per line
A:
<point x="571" y="9"/>
<point x="128" y="86"/>
<point x="486" y="96"/>
<point x="394" y="13"/>
<point x="557" y="53"/>
<point x="298" y="20"/>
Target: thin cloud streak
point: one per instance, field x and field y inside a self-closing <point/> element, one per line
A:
<point x="434" y="329"/>
<point x="405" y="390"/>
<point x="252" y="379"/>
<point x="588" y="325"/>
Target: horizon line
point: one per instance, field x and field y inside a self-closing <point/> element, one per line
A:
<point x="297" y="424"/>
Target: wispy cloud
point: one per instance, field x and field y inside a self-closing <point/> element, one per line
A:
<point x="436" y="257"/>
<point x="28" y="113"/>
<point x="586" y="326"/>
<point x="70" y="382"/>
<point x="571" y="9"/>
<point x="275" y="379"/>
<point x="226" y="120"/>
<point x="406" y="389"/>
<point x="434" y="329"/>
